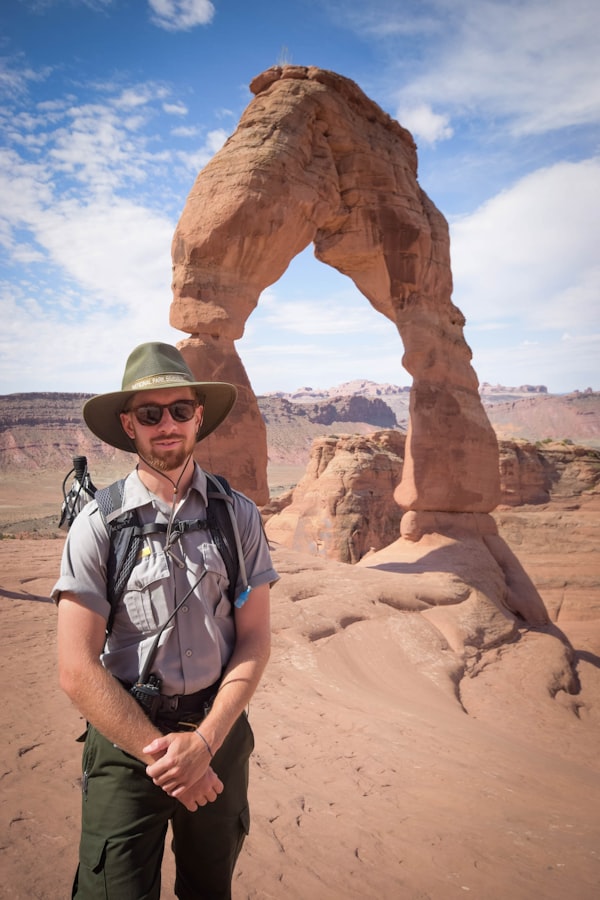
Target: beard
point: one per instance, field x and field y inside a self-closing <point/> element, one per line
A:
<point x="170" y="459"/>
<point x="166" y="460"/>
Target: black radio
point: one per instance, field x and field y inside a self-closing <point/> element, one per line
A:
<point x="148" y="696"/>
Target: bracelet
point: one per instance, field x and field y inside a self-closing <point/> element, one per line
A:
<point x="200" y="735"/>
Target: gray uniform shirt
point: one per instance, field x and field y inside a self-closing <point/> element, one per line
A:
<point x="197" y="644"/>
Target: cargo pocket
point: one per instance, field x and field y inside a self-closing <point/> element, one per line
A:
<point x="243" y="826"/>
<point x="243" y="831"/>
<point x="108" y="870"/>
<point x="92" y="853"/>
<point x="90" y="879"/>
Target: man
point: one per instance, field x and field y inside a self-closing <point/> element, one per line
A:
<point x="189" y="765"/>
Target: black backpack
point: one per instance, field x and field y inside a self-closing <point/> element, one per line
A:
<point x="127" y="535"/>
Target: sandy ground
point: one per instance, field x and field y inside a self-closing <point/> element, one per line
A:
<point x="374" y="775"/>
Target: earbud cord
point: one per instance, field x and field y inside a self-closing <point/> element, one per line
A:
<point x="175" y="484"/>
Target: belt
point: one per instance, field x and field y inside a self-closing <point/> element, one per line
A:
<point x="182" y="704"/>
<point x="178" y="712"/>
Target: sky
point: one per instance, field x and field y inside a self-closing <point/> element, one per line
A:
<point x="110" y="108"/>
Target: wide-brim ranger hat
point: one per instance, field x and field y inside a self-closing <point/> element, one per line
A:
<point x="152" y="367"/>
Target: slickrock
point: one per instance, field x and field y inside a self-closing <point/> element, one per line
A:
<point x="475" y="588"/>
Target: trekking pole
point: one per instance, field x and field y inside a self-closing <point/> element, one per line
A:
<point x="80" y="468"/>
<point x="82" y="490"/>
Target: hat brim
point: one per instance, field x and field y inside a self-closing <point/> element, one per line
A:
<point x="102" y="414"/>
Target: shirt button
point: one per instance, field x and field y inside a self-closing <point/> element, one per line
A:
<point x="184" y="608"/>
<point x="188" y="652"/>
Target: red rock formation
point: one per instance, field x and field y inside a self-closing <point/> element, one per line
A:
<point x="314" y="160"/>
<point x="458" y="564"/>
<point x="531" y="474"/>
<point x="343" y="507"/>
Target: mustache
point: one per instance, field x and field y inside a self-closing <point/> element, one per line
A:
<point x="167" y="437"/>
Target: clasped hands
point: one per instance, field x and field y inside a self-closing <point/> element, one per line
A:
<point x="182" y="769"/>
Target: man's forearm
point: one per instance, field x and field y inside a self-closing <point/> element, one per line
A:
<point x="239" y="683"/>
<point x="99" y="697"/>
<point x="105" y="703"/>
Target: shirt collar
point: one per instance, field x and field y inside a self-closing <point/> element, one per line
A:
<point x="136" y="493"/>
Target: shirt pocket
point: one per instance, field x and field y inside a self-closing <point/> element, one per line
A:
<point x="145" y="598"/>
<point x="215" y="586"/>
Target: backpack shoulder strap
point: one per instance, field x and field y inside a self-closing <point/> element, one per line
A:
<point x="125" y="536"/>
<point x="225" y="533"/>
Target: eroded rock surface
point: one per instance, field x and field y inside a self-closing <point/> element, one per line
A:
<point x="532" y="473"/>
<point x="459" y="564"/>
<point x="343" y="508"/>
<point x="313" y="159"/>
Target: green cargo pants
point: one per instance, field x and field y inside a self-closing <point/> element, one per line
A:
<point x="125" y="818"/>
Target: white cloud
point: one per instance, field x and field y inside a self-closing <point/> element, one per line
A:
<point x="532" y="251"/>
<point x="526" y="271"/>
<point x="424" y="124"/>
<point x="181" y="15"/>
<point x="117" y="251"/>
<point x="184" y="131"/>
<point x="338" y="313"/>
<point x="131" y="98"/>
<point x="529" y="63"/>
<point x="24" y="187"/>
<point x="16" y="78"/>
<point x="562" y="365"/>
<point x="64" y="353"/>
<point x="86" y="232"/>
<point x="322" y="337"/>
<point x="175" y="109"/>
<point x="99" y="284"/>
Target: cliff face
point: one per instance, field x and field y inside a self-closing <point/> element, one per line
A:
<point x="343" y="506"/>
<point x="41" y="431"/>
<point x="371" y="411"/>
<point x="533" y="474"/>
<point x="34" y="409"/>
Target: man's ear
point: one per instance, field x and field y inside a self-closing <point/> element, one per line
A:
<point x="199" y="420"/>
<point x="126" y="425"/>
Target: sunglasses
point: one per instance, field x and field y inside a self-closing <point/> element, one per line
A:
<point x="152" y="413"/>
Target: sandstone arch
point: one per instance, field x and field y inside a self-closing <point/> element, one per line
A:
<point x="314" y="160"/>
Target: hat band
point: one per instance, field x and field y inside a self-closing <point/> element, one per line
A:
<point x="158" y="381"/>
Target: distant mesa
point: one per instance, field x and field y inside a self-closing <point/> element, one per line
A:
<point x="362" y="388"/>
<point x="486" y="388"/>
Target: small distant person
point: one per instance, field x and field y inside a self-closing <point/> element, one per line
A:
<point x="183" y="757"/>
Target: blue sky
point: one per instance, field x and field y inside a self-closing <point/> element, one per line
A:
<point x="110" y="108"/>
